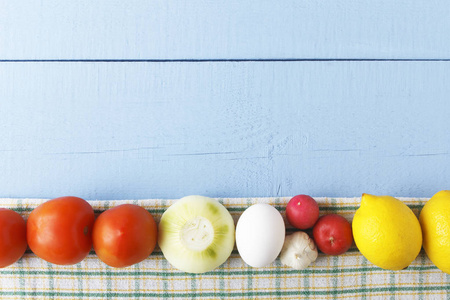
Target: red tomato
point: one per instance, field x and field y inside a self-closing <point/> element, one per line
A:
<point x="302" y="212"/>
<point x="60" y="230"/>
<point x="13" y="237"/>
<point x="124" y="235"/>
<point x="333" y="234"/>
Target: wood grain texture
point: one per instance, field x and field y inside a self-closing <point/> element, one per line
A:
<point x="235" y="29"/>
<point x="165" y="130"/>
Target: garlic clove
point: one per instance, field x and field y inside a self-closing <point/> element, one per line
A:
<point x="298" y="251"/>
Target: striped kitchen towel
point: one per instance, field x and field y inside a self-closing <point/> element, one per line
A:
<point x="330" y="277"/>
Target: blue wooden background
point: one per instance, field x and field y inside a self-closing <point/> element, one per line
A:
<point x="162" y="99"/>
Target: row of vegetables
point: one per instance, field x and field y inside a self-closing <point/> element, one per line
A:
<point x="197" y="234"/>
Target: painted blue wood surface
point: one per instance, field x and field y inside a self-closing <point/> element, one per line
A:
<point x="234" y="29"/>
<point x="144" y="130"/>
<point x="121" y="129"/>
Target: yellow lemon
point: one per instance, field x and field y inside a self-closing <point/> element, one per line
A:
<point x="387" y="232"/>
<point x="435" y="221"/>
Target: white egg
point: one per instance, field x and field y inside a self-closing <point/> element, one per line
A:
<point x="260" y="233"/>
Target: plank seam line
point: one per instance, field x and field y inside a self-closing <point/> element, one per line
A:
<point x="219" y="60"/>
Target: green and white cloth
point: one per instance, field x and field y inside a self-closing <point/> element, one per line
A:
<point x="330" y="277"/>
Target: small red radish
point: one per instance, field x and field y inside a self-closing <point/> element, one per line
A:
<point x="333" y="234"/>
<point x="302" y="211"/>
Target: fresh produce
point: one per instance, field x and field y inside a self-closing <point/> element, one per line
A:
<point x="298" y="251"/>
<point x="13" y="237"/>
<point x="60" y="230"/>
<point x="260" y="235"/>
<point x="435" y="222"/>
<point x="196" y="234"/>
<point x="387" y="232"/>
<point x="124" y="235"/>
<point x="333" y="234"/>
<point x="302" y="212"/>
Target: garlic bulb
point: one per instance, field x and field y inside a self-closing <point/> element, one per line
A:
<point x="299" y="251"/>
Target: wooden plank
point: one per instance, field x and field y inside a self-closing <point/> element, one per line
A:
<point x="235" y="29"/>
<point x="145" y="130"/>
